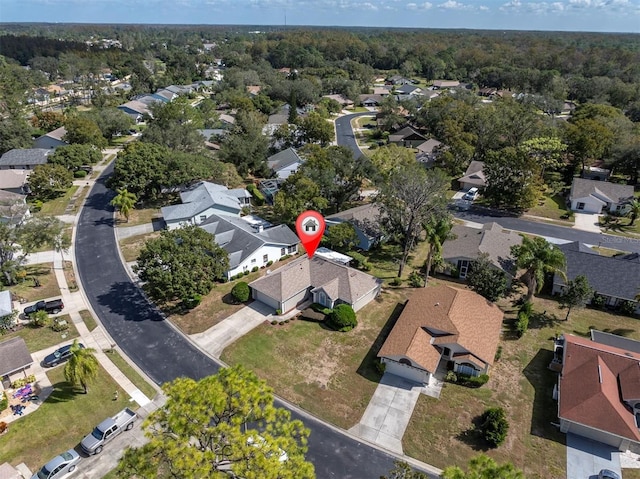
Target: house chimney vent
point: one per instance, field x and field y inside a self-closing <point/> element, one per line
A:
<point x="437" y="304"/>
<point x="599" y="374"/>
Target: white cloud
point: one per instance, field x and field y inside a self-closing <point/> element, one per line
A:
<point x="422" y="6"/>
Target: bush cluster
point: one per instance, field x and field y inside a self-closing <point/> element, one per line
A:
<point x="415" y="280"/>
<point x="342" y="318"/>
<point x="359" y="261"/>
<point x="598" y="301"/>
<point x="466" y="380"/>
<point x="257" y="194"/>
<point x="522" y="323"/>
<point x="18" y="383"/>
<point x="241" y="292"/>
<point x="192" y="302"/>
<point x="4" y="402"/>
<point x="494" y="426"/>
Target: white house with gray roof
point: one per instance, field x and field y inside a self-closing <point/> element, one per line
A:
<point x="203" y="200"/>
<point x="616" y="278"/>
<point x="467" y="244"/>
<point x="591" y="196"/>
<point x="249" y="244"/>
<point x="284" y="163"/>
<point x="24" y="159"/>
<point x="320" y="280"/>
<point x="51" y="140"/>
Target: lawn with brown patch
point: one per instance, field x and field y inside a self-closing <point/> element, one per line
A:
<point x="70" y="276"/>
<point x="138" y="216"/>
<point x="48" y="288"/>
<point x="440" y="432"/>
<point x="330" y="374"/>
<point x="131" y="246"/>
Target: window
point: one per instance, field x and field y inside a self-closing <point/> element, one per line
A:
<point x="405" y="361"/>
<point x="265" y="258"/>
<point x="463" y="268"/>
<point x="292" y="249"/>
<point x="253" y="260"/>
<point x="580" y="206"/>
<point x="283" y="251"/>
<point x="203" y="217"/>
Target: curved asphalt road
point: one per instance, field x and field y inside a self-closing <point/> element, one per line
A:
<point x="164" y="354"/>
<point x="345" y="135"/>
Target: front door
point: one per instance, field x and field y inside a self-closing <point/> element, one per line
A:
<point x="463" y="268"/>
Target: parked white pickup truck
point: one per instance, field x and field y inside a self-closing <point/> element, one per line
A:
<point x="107" y="430"/>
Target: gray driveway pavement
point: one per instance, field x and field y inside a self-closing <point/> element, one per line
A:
<point x="388" y="413"/>
<point x="586" y="222"/>
<point x="585" y="458"/>
<point x="218" y="337"/>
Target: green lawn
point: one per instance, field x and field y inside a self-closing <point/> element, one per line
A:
<point x="440" y="432"/>
<point x="88" y="319"/>
<point x="137" y="380"/>
<point x="552" y="207"/>
<point x="62" y="420"/>
<point x="57" y="206"/>
<point x="48" y="284"/>
<point x="45" y="337"/>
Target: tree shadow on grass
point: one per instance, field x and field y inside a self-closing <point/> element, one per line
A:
<point x="63" y="392"/>
<point x="472" y="437"/>
<point x="367" y="368"/>
<point x="545" y="407"/>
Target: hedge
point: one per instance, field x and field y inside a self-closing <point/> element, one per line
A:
<point x="342" y="318"/>
<point x="241" y="292"/>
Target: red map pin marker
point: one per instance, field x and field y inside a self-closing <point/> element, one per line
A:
<point x="310" y="228"/>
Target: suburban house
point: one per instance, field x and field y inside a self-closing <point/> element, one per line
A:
<point x="365" y="220"/>
<point x="135" y="109"/>
<point x="408" y="90"/>
<point x="284" y="163"/>
<point x="316" y="279"/>
<point x="14" y="359"/>
<point x="469" y="243"/>
<point x="13" y="207"/>
<point x="6" y="305"/>
<point x="27" y="159"/>
<point x="203" y="200"/>
<point x="341" y="99"/>
<point x="250" y="244"/>
<point x="474" y="176"/>
<point x="53" y="139"/>
<point x="407" y="137"/>
<point x="382" y="90"/>
<point x="442" y="84"/>
<point x="591" y="196"/>
<point x="399" y="80"/>
<point x="15" y="181"/>
<point x="616" y="278"/>
<point x="253" y="90"/>
<point x="371" y="100"/>
<point x="210" y="134"/>
<point x="442" y="328"/>
<point x="428" y="151"/>
<point x="599" y="388"/>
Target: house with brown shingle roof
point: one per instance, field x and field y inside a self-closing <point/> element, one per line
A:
<point x="322" y="281"/>
<point x="443" y="326"/>
<point x="599" y="389"/>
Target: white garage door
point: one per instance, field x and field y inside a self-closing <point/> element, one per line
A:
<point x="263" y="298"/>
<point x="408" y="372"/>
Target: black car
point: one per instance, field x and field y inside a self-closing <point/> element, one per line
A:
<point x="60" y="355"/>
<point x="54" y="306"/>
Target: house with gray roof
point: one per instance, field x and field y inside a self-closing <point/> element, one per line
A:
<point x="316" y="279"/>
<point x="474" y="176"/>
<point x="284" y="163"/>
<point x="365" y="220"/>
<point x="467" y="244"/>
<point x="136" y="109"/>
<point x="616" y="278"/>
<point x="14" y="358"/>
<point x="6" y="305"/>
<point x="409" y="90"/>
<point x="202" y="200"/>
<point x="591" y="196"/>
<point x="52" y="140"/>
<point x="24" y="159"/>
<point x="250" y="244"/>
<point x="13" y="207"/>
<point x="407" y="137"/>
<point x="14" y="181"/>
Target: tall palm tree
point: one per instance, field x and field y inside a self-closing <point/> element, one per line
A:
<point x="634" y="210"/>
<point x="82" y="367"/>
<point x="437" y="230"/>
<point x="537" y="257"/>
<point x="124" y="202"/>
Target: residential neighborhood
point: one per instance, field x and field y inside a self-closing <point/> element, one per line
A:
<point x="474" y="298"/>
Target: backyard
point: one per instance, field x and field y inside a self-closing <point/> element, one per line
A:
<point x="26" y="288"/>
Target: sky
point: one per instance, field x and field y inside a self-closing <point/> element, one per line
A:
<point x="561" y="15"/>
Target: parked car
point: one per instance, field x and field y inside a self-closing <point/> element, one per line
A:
<point x="52" y="307"/>
<point x="59" y="466"/>
<point x="108" y="429"/>
<point x="472" y="194"/>
<point x="60" y="355"/>
<point x="608" y="474"/>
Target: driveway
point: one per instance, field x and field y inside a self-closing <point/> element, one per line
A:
<point x="585" y="458"/>
<point x="586" y="222"/>
<point x="218" y="337"/>
<point x="389" y="412"/>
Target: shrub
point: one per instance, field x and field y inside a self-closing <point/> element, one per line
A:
<point x="381" y="367"/>
<point x="359" y="260"/>
<point x="451" y="377"/>
<point x="522" y="324"/>
<point x="269" y="263"/>
<point x="59" y="326"/>
<point x="254" y="269"/>
<point x="192" y="302"/>
<point x="527" y="308"/>
<point x="286" y="256"/>
<point x="628" y="308"/>
<point x="396" y="282"/>
<point x="274" y="322"/>
<point x="286" y="321"/>
<point x="4" y="402"/>
<point x="40" y="319"/>
<point x="415" y="280"/>
<point x="598" y="301"/>
<point x="79" y="174"/>
<point x="476" y="381"/>
<point x="342" y="318"/>
<point x="18" y="383"/>
<point x="498" y="354"/>
<point x="494" y="426"/>
<point x="241" y="292"/>
<point x="278" y="312"/>
<point x="246" y="272"/>
<point x="257" y="194"/>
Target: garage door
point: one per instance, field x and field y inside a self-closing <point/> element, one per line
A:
<point x="408" y="372"/>
<point x="263" y="298"/>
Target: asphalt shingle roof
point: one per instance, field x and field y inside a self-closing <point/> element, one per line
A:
<point x="200" y="197"/>
<point x="283" y="159"/>
<point x="14" y="356"/>
<point x="29" y="156"/>
<point x="615" y="192"/>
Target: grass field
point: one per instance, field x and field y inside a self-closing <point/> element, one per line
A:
<point x="45" y="337"/>
<point x="89" y="322"/>
<point x="552" y="207"/>
<point x="58" y="205"/>
<point x="48" y="284"/>
<point x="133" y="376"/>
<point x="138" y="217"/>
<point x="61" y="421"/>
<point x="70" y="276"/>
<point x="131" y="246"/>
